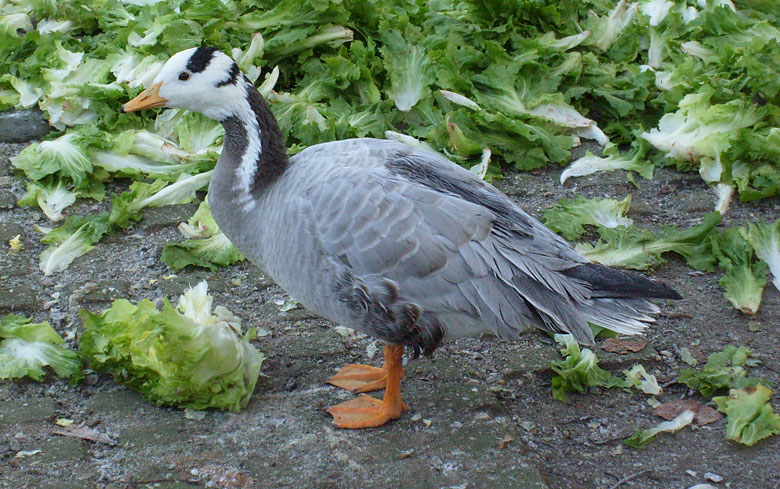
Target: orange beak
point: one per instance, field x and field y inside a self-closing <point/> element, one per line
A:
<point x="146" y="100"/>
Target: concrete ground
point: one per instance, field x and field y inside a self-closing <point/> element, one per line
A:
<point x="481" y="412"/>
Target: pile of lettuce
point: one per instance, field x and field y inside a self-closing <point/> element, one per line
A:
<point x="185" y="356"/>
<point x="690" y="83"/>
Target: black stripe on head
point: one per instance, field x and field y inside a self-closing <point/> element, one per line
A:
<point x="200" y="59"/>
<point x="232" y="77"/>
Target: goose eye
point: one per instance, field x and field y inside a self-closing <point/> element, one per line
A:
<point x="184" y="76"/>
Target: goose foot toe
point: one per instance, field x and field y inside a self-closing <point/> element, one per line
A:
<point x="366" y="412"/>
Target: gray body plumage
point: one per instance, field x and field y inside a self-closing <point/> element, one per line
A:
<point x="406" y="246"/>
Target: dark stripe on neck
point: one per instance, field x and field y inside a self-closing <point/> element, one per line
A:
<point x="272" y="160"/>
<point x="232" y="76"/>
<point x="236" y="138"/>
<point x="200" y="59"/>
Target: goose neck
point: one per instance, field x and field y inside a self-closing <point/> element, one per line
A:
<point x="254" y="155"/>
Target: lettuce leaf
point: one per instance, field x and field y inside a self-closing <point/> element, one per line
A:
<point x="579" y="370"/>
<point x="75" y="237"/>
<point x="27" y="347"/>
<point x="211" y="248"/>
<point x="568" y="217"/>
<point x="765" y="240"/>
<point x="749" y="414"/>
<point x="743" y="277"/>
<point x="723" y="369"/>
<point x="641" y="438"/>
<point x="639" y="249"/>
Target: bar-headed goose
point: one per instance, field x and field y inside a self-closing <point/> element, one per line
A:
<point x="397" y="242"/>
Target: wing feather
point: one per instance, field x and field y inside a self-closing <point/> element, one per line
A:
<point x="457" y="248"/>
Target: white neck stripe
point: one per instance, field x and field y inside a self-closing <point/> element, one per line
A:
<point x="247" y="169"/>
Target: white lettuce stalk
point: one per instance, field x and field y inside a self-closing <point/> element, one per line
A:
<point x="656" y="10"/>
<point x="481" y="169"/>
<point x="765" y="240"/>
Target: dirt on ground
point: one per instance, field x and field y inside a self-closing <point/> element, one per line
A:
<point x="481" y="413"/>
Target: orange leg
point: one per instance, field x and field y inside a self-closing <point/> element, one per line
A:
<point x="369" y="412"/>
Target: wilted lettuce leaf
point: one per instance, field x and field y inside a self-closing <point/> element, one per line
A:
<point x="568" y="217"/>
<point x="76" y="236"/>
<point x="723" y="369"/>
<point x="765" y="240"/>
<point x="127" y="206"/>
<point x="612" y="159"/>
<point x="749" y="414"/>
<point x="209" y="253"/>
<point x="645" y="382"/>
<point x="210" y="249"/>
<point x="578" y="370"/>
<point x="743" y="277"/>
<point x="51" y="195"/>
<point x="66" y="156"/>
<point x="185" y="356"/>
<point x="641" y="438"/>
<point x="639" y="249"/>
<point x="27" y="347"/>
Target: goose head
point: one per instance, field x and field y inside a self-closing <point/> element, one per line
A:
<point x="201" y="79"/>
<point x="208" y="81"/>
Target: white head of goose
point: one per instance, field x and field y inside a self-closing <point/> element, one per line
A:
<point x="397" y="242"/>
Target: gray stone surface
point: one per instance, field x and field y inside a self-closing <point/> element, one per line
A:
<point x="102" y="292"/>
<point x="22" y="125"/>
<point x="19" y="298"/>
<point x="7" y="199"/>
<point x="21" y="411"/>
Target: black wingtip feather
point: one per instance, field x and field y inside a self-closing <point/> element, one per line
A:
<point x="610" y="282"/>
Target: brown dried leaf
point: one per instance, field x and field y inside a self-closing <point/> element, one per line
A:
<point x="706" y="415"/>
<point x="507" y="439"/>
<point x="697" y="354"/>
<point x="672" y="409"/>
<point x="623" y="346"/>
<point x="83" y="432"/>
<point x="406" y="454"/>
